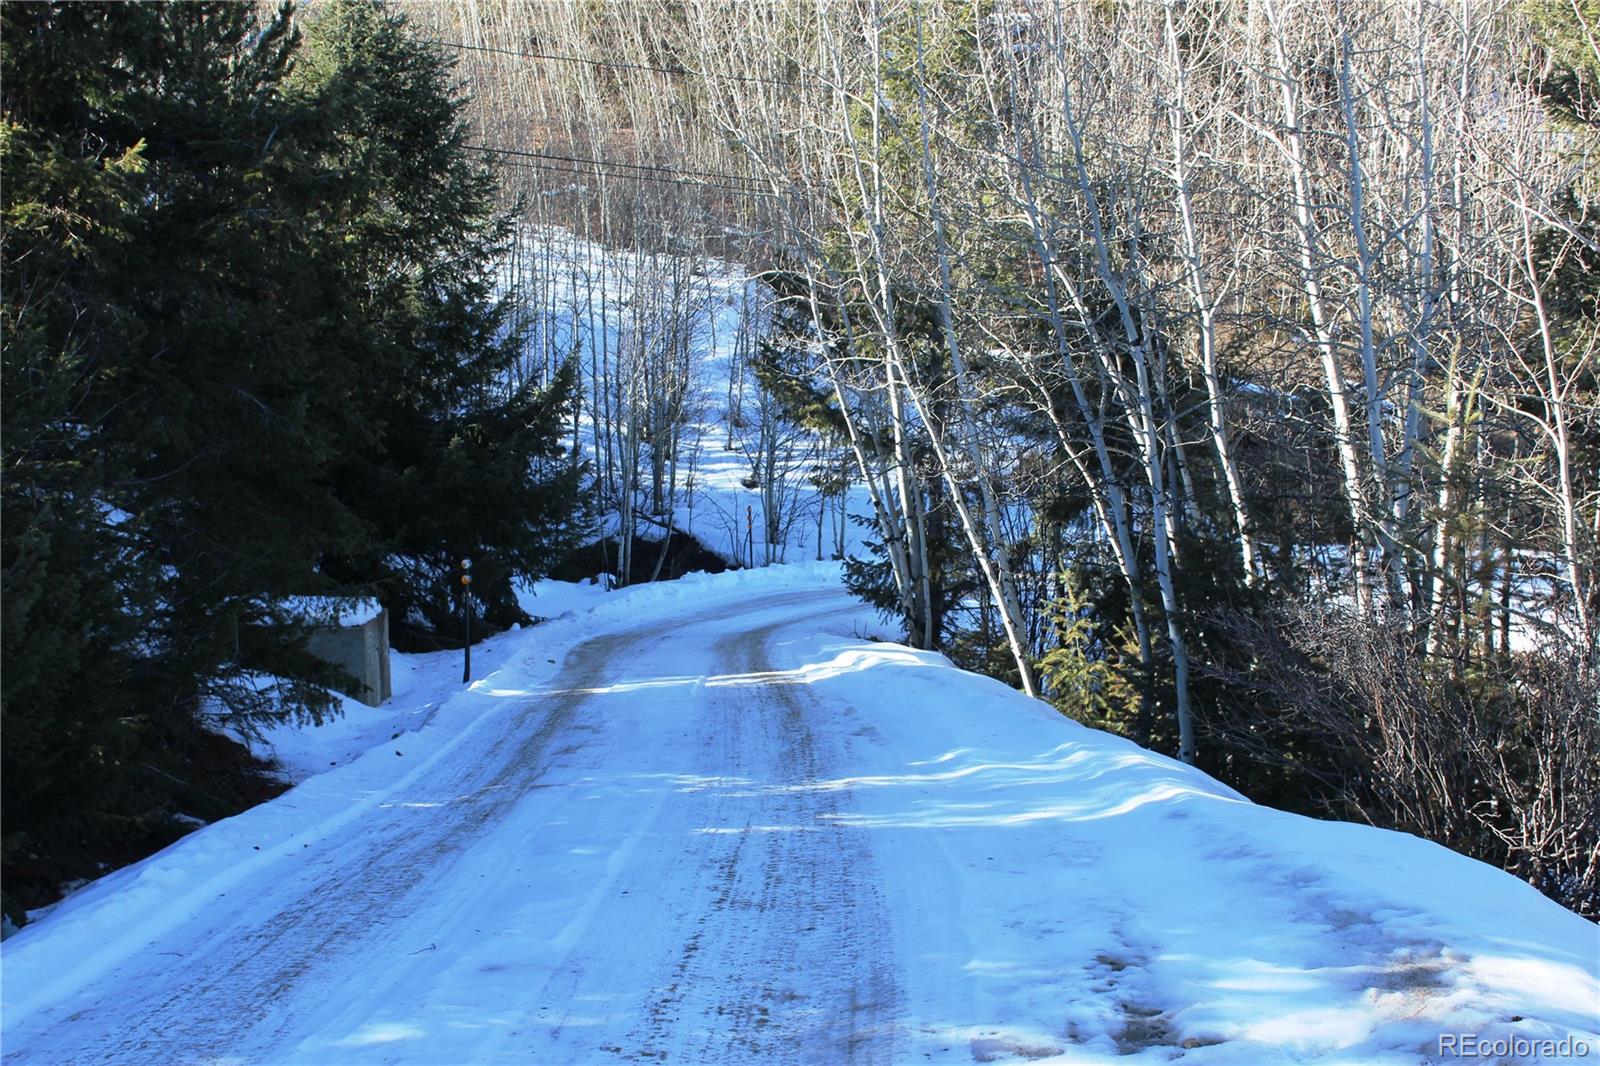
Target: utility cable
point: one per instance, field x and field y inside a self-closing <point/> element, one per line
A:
<point x="554" y="57"/>
<point x="691" y="183"/>
<point x="525" y="154"/>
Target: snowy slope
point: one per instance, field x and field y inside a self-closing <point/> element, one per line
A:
<point x="708" y="822"/>
<point x="595" y="299"/>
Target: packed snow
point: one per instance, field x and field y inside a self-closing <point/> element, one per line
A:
<point x="421" y="683"/>
<point x="330" y="611"/>
<point x="714" y="821"/>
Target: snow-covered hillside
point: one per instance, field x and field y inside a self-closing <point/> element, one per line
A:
<point x="707" y="821"/>
<point x="626" y="316"/>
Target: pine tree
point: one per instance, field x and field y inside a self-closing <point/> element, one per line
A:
<point x="459" y="454"/>
<point x="252" y="349"/>
<point x="135" y="141"/>
<point x="1569" y="34"/>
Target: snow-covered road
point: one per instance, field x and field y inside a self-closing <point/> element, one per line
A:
<point x="724" y="829"/>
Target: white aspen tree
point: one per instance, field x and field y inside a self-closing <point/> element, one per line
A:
<point x="1425" y="295"/>
<point x="876" y="279"/>
<point x="1365" y="262"/>
<point x="736" y="373"/>
<point x="1105" y="493"/>
<point x="1545" y="376"/>
<point x="1205" y="304"/>
<point x="1421" y="306"/>
<point x="1138" y="402"/>
<point x="891" y="518"/>
<point x="1441" y="578"/>
<point x="1292" y="146"/>
<point x="1105" y="486"/>
<point x="987" y="540"/>
<point x="1442" y="631"/>
<point x="1439" y="306"/>
<point x="751" y="106"/>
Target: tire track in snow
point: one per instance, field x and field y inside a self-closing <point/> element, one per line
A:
<point x="230" y="1000"/>
<point x="786" y="955"/>
<point x="791" y="959"/>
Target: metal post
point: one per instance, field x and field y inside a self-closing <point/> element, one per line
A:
<point x="466" y="618"/>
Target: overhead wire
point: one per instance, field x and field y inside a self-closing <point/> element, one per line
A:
<point x="558" y="58"/>
<point x="521" y="153"/>
<point x="691" y="183"/>
<point x="741" y="184"/>
<point x="744" y="185"/>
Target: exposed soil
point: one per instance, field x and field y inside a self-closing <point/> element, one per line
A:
<point x="685" y="555"/>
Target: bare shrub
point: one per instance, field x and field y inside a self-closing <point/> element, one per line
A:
<point x="1497" y="760"/>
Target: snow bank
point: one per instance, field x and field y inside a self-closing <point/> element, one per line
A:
<point x="1131" y="905"/>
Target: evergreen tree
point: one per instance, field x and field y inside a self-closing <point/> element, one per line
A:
<point x="458" y="456"/>
<point x="149" y="404"/>
<point x="252" y="349"/>
<point x="1569" y="34"/>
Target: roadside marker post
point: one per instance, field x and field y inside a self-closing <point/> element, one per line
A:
<point x="466" y="618"/>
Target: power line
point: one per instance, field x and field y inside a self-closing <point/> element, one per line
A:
<point x="553" y="169"/>
<point x="524" y="154"/>
<point x="551" y="56"/>
<point x="694" y="183"/>
<point x="734" y="190"/>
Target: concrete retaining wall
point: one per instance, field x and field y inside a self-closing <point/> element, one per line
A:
<point x="361" y="651"/>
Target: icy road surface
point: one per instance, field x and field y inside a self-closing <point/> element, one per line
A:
<point x="722" y="828"/>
